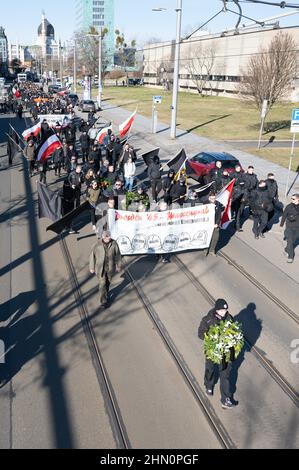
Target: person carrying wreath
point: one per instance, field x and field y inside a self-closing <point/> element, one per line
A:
<point x="223" y="340"/>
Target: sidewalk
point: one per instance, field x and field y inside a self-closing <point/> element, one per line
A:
<point x="270" y="249"/>
<point x="194" y="143"/>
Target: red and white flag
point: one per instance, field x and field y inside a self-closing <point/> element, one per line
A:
<point x="225" y="198"/>
<point x="125" y="127"/>
<point x="47" y="147"/>
<point x="102" y="134"/>
<point x="16" y="92"/>
<point x="35" y="130"/>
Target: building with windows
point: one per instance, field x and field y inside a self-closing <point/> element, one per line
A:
<point x="46" y="39"/>
<point x="3" y="52"/>
<point x="213" y="62"/>
<point x="99" y="14"/>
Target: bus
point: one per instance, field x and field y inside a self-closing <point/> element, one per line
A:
<point x="22" y="77"/>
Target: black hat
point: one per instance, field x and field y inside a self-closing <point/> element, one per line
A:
<point x="221" y="304"/>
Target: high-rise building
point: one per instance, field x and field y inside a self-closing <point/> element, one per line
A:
<point x="3" y="51"/>
<point x="99" y="14"/>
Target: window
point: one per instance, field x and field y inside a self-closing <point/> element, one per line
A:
<point x="203" y="158"/>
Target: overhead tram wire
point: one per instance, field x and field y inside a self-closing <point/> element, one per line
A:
<point x="205" y="24"/>
<point x="274" y="4"/>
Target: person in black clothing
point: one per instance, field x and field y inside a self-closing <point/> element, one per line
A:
<point x="214" y="317"/>
<point x="20" y="111"/>
<point x="291" y="218"/>
<point x="118" y="148"/>
<point x="85" y="144"/>
<point x="219" y="208"/>
<point x="110" y="150"/>
<point x="44" y="128"/>
<point x="272" y="187"/>
<point x="239" y="197"/>
<point x="112" y="175"/>
<point x="215" y="175"/>
<point x="43" y="168"/>
<point x="76" y="178"/>
<point x="124" y="157"/>
<point x="67" y="197"/>
<point x="260" y="204"/>
<point x="70" y="135"/>
<point x="95" y="155"/>
<point x="58" y="161"/>
<point x="178" y="192"/>
<point x="167" y="185"/>
<point x="119" y="194"/>
<point x="251" y="182"/>
<point x="223" y="180"/>
<point x="155" y="177"/>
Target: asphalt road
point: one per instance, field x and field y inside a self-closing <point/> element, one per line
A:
<point x="54" y="398"/>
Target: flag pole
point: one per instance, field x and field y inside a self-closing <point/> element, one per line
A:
<point x="21" y="138"/>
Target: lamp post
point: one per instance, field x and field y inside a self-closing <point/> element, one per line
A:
<point x="75" y="67"/>
<point x="176" y="66"/>
<point x="100" y="89"/>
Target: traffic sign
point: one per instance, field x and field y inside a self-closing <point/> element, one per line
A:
<point x="157" y="99"/>
<point x="295" y="121"/>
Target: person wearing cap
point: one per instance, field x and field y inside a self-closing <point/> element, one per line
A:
<point x="105" y="259"/>
<point x="290" y="217"/>
<point x="178" y="192"/>
<point x="214" y="317"/>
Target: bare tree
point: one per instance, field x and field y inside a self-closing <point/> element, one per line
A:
<point x="88" y="51"/>
<point x="125" y="53"/>
<point x="269" y="75"/>
<point x="200" y="65"/>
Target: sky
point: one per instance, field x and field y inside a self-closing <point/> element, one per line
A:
<point x="134" y="18"/>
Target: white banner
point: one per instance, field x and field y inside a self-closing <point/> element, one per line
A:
<point x="52" y="119"/>
<point x="162" y="232"/>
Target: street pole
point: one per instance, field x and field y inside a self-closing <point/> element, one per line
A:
<point x="290" y="164"/>
<point x="60" y="63"/>
<point x="75" y="68"/>
<point x="100" y="70"/>
<point x="261" y="132"/>
<point x="176" y="70"/>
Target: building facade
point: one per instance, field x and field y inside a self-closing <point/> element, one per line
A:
<point x="3" y="52"/>
<point x="99" y="14"/>
<point x="215" y="62"/>
<point x="46" y="39"/>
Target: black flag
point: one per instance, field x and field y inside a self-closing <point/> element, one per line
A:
<point x="148" y="156"/>
<point x="66" y="221"/>
<point x="178" y="161"/>
<point x="49" y="203"/>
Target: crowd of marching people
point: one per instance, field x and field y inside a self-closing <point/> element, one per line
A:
<point x="104" y="172"/>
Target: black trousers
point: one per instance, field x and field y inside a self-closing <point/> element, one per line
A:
<point x="224" y="375"/>
<point x="57" y="168"/>
<point x="77" y="197"/>
<point x="214" y="241"/>
<point x="31" y="167"/>
<point x="85" y="153"/>
<point x="43" y="177"/>
<point x="156" y="188"/>
<point x="104" y="286"/>
<point x="292" y="235"/>
<point x="93" y="215"/>
<point x="238" y="209"/>
<point x="260" y="221"/>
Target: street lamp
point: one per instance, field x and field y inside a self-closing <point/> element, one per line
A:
<point x="176" y="67"/>
<point x="100" y="90"/>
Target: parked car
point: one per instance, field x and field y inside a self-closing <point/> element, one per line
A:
<point x="201" y="164"/>
<point x="74" y="98"/>
<point x="87" y="106"/>
<point x="54" y="88"/>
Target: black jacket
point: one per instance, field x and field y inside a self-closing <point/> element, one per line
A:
<point x="290" y="216"/>
<point x="251" y="181"/>
<point x="260" y="200"/>
<point x="272" y="187"/>
<point x="210" y="320"/>
<point x="240" y="187"/>
<point x="76" y="179"/>
<point x="85" y="141"/>
<point x="154" y="171"/>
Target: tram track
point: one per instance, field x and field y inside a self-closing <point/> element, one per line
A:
<point x="210" y="415"/>
<point x="264" y="362"/>
<point x="102" y="375"/>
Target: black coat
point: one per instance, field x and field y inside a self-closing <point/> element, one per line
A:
<point x="85" y="141"/>
<point x="290" y="216"/>
<point x="260" y="200"/>
<point x="210" y="320"/>
<point x="272" y="187"/>
<point x="154" y="171"/>
<point x="251" y="181"/>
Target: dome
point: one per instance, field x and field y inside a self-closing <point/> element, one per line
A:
<point x="48" y="27"/>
